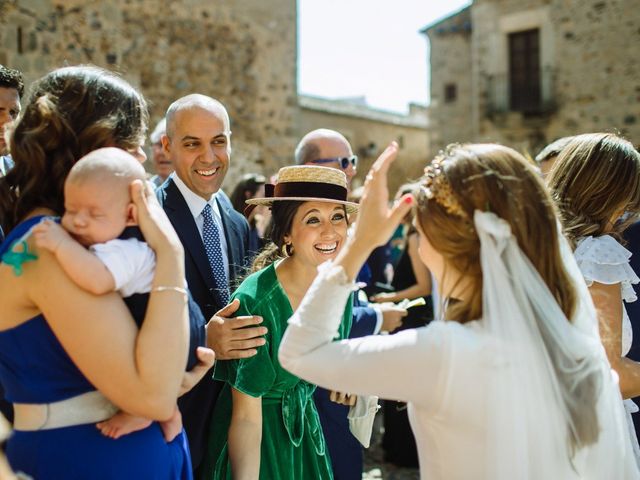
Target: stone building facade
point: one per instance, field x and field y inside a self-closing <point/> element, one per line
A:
<point x="242" y="53"/>
<point x="369" y="131"/>
<point x="525" y="72"/>
<point x="245" y="57"/>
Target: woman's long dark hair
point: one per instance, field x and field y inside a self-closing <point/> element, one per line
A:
<point x="69" y="112"/>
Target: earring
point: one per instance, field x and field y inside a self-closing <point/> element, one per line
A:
<point x="286" y="250"/>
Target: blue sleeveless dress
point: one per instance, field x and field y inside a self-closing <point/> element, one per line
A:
<point x="34" y="368"/>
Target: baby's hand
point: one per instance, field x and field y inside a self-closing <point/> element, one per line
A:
<point x="50" y="235"/>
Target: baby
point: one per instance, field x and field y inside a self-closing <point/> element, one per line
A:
<point x="92" y="248"/>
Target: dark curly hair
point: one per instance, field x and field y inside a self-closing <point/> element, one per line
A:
<point x="70" y="112"/>
<point x="10" y="78"/>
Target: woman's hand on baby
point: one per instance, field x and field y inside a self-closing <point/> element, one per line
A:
<point x="50" y="236"/>
<point x="374" y="207"/>
<point x="152" y="220"/>
<point x="206" y="359"/>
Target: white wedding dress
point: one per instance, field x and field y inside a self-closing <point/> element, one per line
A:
<point x="479" y="409"/>
<point x="441" y="371"/>
<point x="603" y="260"/>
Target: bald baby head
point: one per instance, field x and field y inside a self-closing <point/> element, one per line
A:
<point x="107" y="165"/>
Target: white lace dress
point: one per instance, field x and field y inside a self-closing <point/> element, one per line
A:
<point x="603" y="260"/>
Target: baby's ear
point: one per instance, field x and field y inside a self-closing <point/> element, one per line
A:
<point x="132" y="215"/>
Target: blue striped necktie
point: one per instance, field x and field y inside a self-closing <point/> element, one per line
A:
<point x="211" y="238"/>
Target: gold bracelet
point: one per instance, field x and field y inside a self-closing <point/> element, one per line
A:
<point x="164" y="288"/>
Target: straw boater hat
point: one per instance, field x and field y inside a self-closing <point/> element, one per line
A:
<point x="308" y="183"/>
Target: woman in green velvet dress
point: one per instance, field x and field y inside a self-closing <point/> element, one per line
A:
<point x="265" y="424"/>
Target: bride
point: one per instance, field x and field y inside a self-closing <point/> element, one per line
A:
<point x="513" y="382"/>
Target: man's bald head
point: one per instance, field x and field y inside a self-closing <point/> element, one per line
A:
<point x="195" y="101"/>
<point x="324" y="144"/>
<point x="315" y="143"/>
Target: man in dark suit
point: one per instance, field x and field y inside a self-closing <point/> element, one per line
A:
<point x="11" y="89"/>
<point x="215" y="238"/>
<point x="329" y="148"/>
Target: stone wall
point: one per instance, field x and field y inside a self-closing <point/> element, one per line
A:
<point x="245" y="57"/>
<point x="590" y="70"/>
<point x="369" y="131"/>
<point x="450" y="60"/>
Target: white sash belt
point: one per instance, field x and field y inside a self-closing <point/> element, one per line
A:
<point x="90" y="407"/>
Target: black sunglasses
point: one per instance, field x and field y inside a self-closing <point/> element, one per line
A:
<point x="343" y="161"/>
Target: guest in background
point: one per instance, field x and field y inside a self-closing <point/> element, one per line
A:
<point x="161" y="163"/>
<point x="251" y="185"/>
<point x="595" y="180"/>
<point x="11" y="89"/>
<point x="549" y="154"/>
<point x="632" y="236"/>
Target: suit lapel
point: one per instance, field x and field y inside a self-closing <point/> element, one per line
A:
<point x="183" y="222"/>
<point x="233" y="236"/>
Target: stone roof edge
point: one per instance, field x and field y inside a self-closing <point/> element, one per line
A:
<point x="430" y="26"/>
<point x="338" y="107"/>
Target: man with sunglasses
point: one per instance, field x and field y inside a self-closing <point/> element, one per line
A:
<point x="329" y="148"/>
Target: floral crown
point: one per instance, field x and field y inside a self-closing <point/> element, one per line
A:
<point x="437" y="187"/>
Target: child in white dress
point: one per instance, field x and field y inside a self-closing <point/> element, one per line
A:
<point x="595" y="180"/>
<point x="513" y="383"/>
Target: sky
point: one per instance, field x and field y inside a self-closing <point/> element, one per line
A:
<point x="350" y="48"/>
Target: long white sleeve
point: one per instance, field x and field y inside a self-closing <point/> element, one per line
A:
<point x="408" y="366"/>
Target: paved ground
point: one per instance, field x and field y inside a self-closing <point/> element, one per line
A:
<point x="374" y="466"/>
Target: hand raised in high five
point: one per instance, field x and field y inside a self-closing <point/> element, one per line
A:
<point x="376" y="219"/>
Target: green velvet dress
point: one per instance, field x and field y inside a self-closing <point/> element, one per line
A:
<point x="293" y="445"/>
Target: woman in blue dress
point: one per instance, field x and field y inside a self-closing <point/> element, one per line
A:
<point x="68" y="358"/>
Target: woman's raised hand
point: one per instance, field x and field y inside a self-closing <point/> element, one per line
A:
<point x="153" y="221"/>
<point x="376" y="219"/>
